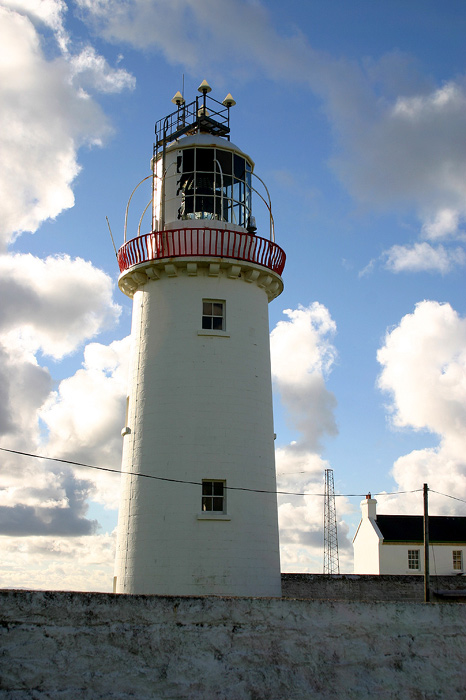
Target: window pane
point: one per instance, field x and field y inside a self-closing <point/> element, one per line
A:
<point x="207" y="308"/>
<point x="206" y="323"/>
<point x="217" y="503"/>
<point x="205" y="159"/>
<point x="188" y="160"/>
<point x="239" y="167"/>
<point x="218" y="488"/>
<point x="224" y="158"/>
<point x="217" y="309"/>
<point x="206" y="503"/>
<point x="217" y="323"/>
<point x="206" y="488"/>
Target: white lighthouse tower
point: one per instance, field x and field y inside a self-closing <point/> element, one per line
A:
<point x="198" y="510"/>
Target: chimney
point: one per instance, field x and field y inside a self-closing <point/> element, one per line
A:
<point x="368" y="507"/>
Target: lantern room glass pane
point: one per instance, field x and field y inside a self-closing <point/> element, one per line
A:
<point x="214" y="184"/>
<point x="205" y="160"/>
<point x="225" y="160"/>
<point x="188" y="160"/>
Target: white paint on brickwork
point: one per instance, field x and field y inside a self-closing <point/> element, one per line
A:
<point x="75" y="645"/>
<point x="200" y="407"/>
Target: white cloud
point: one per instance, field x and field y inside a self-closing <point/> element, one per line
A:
<point x="47" y="115"/>
<point x="424" y="373"/>
<point x="58" y="563"/>
<point x="85" y="416"/>
<point x="442" y="224"/>
<point x="303" y="356"/>
<point x="423" y="257"/>
<point x="53" y="305"/>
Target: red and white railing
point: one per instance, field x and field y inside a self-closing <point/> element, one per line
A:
<point x="193" y="242"/>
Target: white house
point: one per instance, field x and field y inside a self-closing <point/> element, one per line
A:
<point x="393" y="544"/>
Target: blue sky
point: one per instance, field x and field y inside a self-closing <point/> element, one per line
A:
<point x="354" y="114"/>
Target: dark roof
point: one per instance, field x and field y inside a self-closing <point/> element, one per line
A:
<point x="409" y="528"/>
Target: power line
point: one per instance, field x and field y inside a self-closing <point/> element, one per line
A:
<point x="198" y="483"/>
<point x="447" y="496"/>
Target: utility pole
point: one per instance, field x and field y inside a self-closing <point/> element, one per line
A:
<point x="426" y="545"/>
<point x="331" y="561"/>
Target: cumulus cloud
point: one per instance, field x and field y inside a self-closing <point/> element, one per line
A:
<point x="47" y="115"/>
<point x="85" y="416"/>
<point x="424" y="257"/>
<point x="53" y="305"/>
<point x="65" y="517"/>
<point x="82" y="563"/>
<point x="424" y="374"/>
<point x="303" y="355"/>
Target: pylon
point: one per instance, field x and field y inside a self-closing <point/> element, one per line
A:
<point x="331" y="560"/>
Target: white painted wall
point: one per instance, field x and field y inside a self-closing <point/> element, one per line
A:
<point x="394" y="559"/>
<point x="200" y="407"/>
<point x="92" y="646"/>
<point x="374" y="556"/>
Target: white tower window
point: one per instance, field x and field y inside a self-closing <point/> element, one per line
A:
<point x="213" y="496"/>
<point x="213" y="315"/>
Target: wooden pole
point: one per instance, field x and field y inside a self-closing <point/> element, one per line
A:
<point x="426" y="546"/>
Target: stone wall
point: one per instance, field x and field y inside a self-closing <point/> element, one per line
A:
<point x="77" y="645"/>
<point x="370" y="587"/>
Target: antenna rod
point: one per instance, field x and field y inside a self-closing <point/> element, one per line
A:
<point x="111" y="236"/>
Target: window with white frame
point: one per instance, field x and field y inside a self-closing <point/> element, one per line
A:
<point x="213" y="315"/>
<point x="414" y="559"/>
<point x="457" y="560"/>
<point x="213" y="496"/>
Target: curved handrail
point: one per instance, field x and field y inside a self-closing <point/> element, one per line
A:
<point x="202" y="242"/>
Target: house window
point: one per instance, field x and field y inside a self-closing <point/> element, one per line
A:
<point x="414" y="561"/>
<point x="457" y="560"/>
<point x="213" y="496"/>
<point x="213" y="315"/>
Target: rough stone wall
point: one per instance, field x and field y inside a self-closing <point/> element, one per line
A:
<point x="76" y="645"/>
<point x="368" y="587"/>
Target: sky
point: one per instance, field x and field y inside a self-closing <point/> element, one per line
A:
<point x="355" y="116"/>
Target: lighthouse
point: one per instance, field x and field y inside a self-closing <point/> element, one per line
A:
<point x="198" y="507"/>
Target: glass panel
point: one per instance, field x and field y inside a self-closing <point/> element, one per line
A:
<point x="207" y="488"/>
<point x="207" y="503"/>
<point x="224" y="158"/>
<point x="206" y="323"/>
<point x="217" y="323"/>
<point x="218" y="488"/>
<point x="188" y="160"/>
<point x="217" y="309"/>
<point x="217" y="504"/>
<point x="207" y="307"/>
<point x="240" y="167"/>
<point x="205" y="159"/>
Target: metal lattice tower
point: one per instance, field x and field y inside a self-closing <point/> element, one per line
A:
<point x="331" y="561"/>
